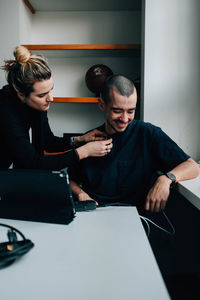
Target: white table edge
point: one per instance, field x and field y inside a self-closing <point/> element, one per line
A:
<point x="190" y="189"/>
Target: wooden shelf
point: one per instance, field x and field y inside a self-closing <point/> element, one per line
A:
<point x="83" y="47"/>
<point x="80" y="47"/>
<point x="75" y="100"/>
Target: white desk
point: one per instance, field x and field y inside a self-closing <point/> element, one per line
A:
<point x="101" y="255"/>
<point x="190" y="189"/>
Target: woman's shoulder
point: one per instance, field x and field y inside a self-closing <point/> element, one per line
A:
<point x="6" y="94"/>
<point x="10" y="104"/>
<point x="5" y="89"/>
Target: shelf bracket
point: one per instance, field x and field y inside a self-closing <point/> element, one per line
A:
<point x="28" y="4"/>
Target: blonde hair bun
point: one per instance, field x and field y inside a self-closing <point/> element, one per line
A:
<point x="22" y="54"/>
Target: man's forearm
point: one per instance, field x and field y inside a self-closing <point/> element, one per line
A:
<point x="78" y="192"/>
<point x="159" y="193"/>
<point x="76" y="189"/>
<point x="186" y="170"/>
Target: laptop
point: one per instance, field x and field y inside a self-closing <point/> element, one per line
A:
<point x="36" y="195"/>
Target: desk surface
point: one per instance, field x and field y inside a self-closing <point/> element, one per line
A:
<point x="101" y="255"/>
<point x="190" y="189"/>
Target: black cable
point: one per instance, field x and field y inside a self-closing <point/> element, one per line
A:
<point x="14" y="229"/>
<point x="13" y="249"/>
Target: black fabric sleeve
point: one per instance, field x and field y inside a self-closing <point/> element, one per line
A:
<point x="14" y="133"/>
<point x="166" y="153"/>
<point x="53" y="143"/>
<point x="74" y="173"/>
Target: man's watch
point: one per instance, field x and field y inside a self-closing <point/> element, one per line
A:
<point x="169" y="175"/>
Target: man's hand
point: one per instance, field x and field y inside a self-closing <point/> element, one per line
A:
<point x="157" y="197"/>
<point x="81" y="195"/>
<point x="94" y="135"/>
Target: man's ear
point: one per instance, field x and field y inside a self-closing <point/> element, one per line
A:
<point x="101" y="104"/>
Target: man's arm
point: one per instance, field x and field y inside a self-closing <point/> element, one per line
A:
<point x="78" y="192"/>
<point x="159" y="193"/>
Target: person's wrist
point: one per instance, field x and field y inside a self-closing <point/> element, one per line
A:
<point x="168" y="176"/>
<point x="77" y="139"/>
<point x="81" y="196"/>
<point x="163" y="179"/>
<point x="82" y="152"/>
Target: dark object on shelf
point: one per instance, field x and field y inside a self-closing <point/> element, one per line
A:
<point x="96" y="76"/>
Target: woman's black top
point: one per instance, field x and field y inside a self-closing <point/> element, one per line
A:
<point x="16" y="120"/>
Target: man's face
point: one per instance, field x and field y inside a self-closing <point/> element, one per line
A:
<point x="119" y="111"/>
<point x="41" y="97"/>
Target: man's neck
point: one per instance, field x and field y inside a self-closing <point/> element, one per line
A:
<point x="109" y="130"/>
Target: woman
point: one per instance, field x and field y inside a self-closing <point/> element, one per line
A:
<point x="24" y="103"/>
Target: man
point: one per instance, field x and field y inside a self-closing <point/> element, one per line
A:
<point x="143" y="162"/>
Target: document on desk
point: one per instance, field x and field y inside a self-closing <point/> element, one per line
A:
<point x="102" y="255"/>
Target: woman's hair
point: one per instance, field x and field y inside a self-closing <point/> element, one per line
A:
<point x="122" y="84"/>
<point x="25" y="70"/>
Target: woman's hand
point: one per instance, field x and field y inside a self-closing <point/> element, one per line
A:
<point x="94" y="135"/>
<point x="97" y="149"/>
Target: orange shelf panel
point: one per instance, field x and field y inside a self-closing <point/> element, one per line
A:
<point x="75" y="99"/>
<point x="83" y="47"/>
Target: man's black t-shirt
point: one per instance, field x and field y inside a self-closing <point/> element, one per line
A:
<point x="128" y="171"/>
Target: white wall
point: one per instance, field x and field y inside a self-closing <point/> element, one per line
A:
<point x="10" y="32"/>
<point x="15" y="26"/>
<point x="172" y="70"/>
<point x="74" y="117"/>
<point x="86" y="27"/>
<point x="25" y="19"/>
